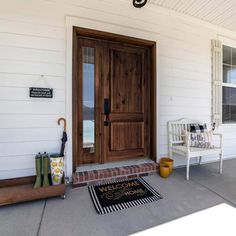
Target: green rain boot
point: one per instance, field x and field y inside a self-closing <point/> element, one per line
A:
<point x="45" y="170"/>
<point x="38" y="166"/>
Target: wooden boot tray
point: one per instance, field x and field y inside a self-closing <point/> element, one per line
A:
<point x="22" y="190"/>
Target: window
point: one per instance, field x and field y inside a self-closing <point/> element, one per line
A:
<point x="229" y="85"/>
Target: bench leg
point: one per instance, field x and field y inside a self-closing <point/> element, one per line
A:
<point x="200" y="160"/>
<point x="170" y="153"/>
<point x="221" y="163"/>
<point x="187" y="168"/>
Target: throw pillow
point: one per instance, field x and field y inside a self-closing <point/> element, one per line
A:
<point x="198" y="128"/>
<point x="199" y="140"/>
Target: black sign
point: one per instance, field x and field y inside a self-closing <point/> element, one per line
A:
<point x="41" y="92"/>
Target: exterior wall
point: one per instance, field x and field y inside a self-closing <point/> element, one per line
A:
<point x="33" y="42"/>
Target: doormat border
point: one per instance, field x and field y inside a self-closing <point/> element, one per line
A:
<point x="104" y="210"/>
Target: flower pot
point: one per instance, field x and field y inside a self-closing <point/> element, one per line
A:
<point x="57" y="165"/>
<point x="164" y="170"/>
<point x="169" y="162"/>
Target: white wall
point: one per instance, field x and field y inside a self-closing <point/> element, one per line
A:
<point x="33" y="43"/>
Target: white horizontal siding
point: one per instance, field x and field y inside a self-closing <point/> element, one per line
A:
<point x="26" y="28"/>
<point x="183" y="73"/>
<point x="183" y="92"/>
<point x="8" y="174"/>
<point x="183" y="102"/>
<point x="22" y="94"/>
<point x="33" y="42"/>
<point x="16" y="163"/>
<point x="32" y="107"/>
<point x="23" y="135"/>
<point x="21" y="121"/>
<point x="31" y="45"/>
<point x="28" y="148"/>
<point x="33" y="68"/>
<point x="31" y="55"/>
<point x="28" y="80"/>
<point x="26" y="41"/>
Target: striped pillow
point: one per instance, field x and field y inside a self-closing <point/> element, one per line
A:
<point x="198" y="128"/>
<point x="199" y="140"/>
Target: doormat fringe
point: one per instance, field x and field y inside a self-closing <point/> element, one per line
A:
<point x="125" y="193"/>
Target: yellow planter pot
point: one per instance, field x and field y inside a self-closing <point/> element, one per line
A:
<point x="164" y="170"/>
<point x="168" y="161"/>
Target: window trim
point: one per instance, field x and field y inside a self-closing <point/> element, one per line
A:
<point x="219" y="41"/>
<point x="229" y="85"/>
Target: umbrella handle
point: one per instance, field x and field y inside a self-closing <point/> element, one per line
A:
<point x="59" y="122"/>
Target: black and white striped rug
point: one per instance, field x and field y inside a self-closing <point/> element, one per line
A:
<point x="118" y="195"/>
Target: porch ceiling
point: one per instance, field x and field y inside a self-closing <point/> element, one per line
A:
<point x="218" y="12"/>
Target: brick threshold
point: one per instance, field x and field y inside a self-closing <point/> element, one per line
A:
<point x="85" y="178"/>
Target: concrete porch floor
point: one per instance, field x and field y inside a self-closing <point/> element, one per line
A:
<point x="76" y="215"/>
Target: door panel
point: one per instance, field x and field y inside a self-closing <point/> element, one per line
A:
<point x="125" y="86"/>
<point x="126" y="81"/>
<point x="127" y="136"/>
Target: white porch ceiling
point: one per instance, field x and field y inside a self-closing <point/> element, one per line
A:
<point x="218" y="12"/>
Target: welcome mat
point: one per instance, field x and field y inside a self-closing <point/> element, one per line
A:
<point x="118" y="195"/>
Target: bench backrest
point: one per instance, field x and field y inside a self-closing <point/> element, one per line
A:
<point x="175" y="129"/>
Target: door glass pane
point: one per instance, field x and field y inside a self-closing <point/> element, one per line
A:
<point x="88" y="99"/>
<point x="229" y="105"/>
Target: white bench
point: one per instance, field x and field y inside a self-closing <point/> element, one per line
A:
<point x="176" y="143"/>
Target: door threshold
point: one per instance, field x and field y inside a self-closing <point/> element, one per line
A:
<point x="96" y="166"/>
<point x="88" y="175"/>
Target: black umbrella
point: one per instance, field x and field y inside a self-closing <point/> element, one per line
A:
<point x="64" y="136"/>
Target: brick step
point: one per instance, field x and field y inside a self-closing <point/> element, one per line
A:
<point x="84" y="178"/>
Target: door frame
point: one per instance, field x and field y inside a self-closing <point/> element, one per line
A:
<point x="84" y="32"/>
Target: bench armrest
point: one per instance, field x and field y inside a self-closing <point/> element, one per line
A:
<point x="221" y="138"/>
<point x="180" y="135"/>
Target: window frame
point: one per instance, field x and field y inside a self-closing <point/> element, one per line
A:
<point x="228" y="85"/>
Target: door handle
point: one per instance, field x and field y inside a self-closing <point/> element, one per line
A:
<point x="106" y="111"/>
<point x="106" y="106"/>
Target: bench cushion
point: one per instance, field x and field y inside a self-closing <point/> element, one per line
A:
<point x="194" y="151"/>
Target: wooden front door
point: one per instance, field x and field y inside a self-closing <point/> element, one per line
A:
<point x="126" y="102"/>
<point x="113" y="97"/>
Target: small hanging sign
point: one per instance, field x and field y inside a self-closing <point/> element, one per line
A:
<point x="41" y="92"/>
